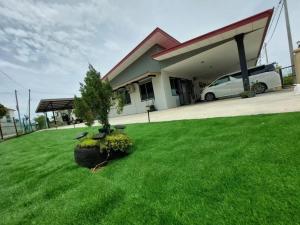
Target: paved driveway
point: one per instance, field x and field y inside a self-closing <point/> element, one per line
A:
<point x="272" y="102"/>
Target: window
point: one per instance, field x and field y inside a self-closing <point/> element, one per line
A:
<point x="125" y="95"/>
<point x="257" y="70"/>
<point x="146" y="91"/>
<point x="8" y="119"/>
<point x="174" y="82"/>
<point x="220" y="81"/>
<point x="237" y="75"/>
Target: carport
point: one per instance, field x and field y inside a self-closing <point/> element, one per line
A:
<point x="207" y="57"/>
<point x="52" y="105"/>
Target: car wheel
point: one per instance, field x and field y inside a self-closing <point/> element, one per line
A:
<point x="259" y="88"/>
<point x="209" y="97"/>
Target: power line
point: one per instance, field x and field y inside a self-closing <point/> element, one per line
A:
<point x="276" y="23"/>
<point x="10" y="78"/>
<point x="275" y="13"/>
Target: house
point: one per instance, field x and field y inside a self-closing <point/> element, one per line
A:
<point x="8" y="118"/>
<point x="163" y="72"/>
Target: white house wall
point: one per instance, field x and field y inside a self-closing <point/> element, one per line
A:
<point x="138" y="106"/>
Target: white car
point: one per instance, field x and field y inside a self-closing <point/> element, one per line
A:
<point x="230" y="85"/>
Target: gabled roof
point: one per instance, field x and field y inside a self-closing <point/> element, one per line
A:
<point x="157" y="36"/>
<point x="258" y="21"/>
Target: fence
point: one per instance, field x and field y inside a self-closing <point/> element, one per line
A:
<point x="14" y="128"/>
<point x="288" y="77"/>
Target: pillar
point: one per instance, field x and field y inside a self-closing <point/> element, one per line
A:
<point x="243" y="61"/>
<point x="297" y="69"/>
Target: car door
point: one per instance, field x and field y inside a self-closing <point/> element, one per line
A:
<point x="236" y="84"/>
<point x="221" y="87"/>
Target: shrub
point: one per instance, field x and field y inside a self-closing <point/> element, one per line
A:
<point x="289" y="80"/>
<point x="247" y="94"/>
<point x="41" y="121"/>
<point x="3" y="111"/>
<point x="88" y="143"/>
<point x="116" y="141"/>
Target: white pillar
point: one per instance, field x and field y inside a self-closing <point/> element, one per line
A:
<point x="297" y="70"/>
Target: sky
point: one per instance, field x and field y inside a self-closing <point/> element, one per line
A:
<point x="46" y="45"/>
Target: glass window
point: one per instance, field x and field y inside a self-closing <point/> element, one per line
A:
<point x="220" y="81"/>
<point x="125" y="96"/>
<point x="174" y="86"/>
<point x="257" y="70"/>
<point x="146" y="91"/>
<point x="237" y="75"/>
<point x="8" y="119"/>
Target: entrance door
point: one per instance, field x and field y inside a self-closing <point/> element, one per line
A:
<point x="183" y="88"/>
<point x="185" y="91"/>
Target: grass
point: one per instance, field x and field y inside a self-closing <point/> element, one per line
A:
<point x="241" y="170"/>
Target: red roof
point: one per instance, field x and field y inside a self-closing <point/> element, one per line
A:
<point x="267" y="13"/>
<point x="172" y="44"/>
<point x="169" y="44"/>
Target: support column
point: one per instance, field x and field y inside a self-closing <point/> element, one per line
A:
<point x="297" y="69"/>
<point x="243" y="61"/>
<point x="46" y="120"/>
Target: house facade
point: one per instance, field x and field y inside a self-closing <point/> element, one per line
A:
<point x="8" y="118"/>
<point x="164" y="73"/>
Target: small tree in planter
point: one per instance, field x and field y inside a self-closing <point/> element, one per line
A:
<point x="97" y="97"/>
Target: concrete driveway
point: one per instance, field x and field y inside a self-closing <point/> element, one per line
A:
<point x="272" y="102"/>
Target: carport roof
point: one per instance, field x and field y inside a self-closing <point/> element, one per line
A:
<point x="47" y="105"/>
<point x="250" y="24"/>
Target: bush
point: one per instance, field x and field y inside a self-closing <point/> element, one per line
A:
<point x="88" y="143"/>
<point x="247" y="94"/>
<point x="289" y="80"/>
<point x="116" y="141"/>
<point x="41" y="121"/>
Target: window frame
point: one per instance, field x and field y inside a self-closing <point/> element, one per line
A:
<point x="124" y="94"/>
<point x="145" y="84"/>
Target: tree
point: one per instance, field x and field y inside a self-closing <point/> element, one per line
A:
<point x="3" y="111"/>
<point x="97" y="97"/>
<point x="40" y="120"/>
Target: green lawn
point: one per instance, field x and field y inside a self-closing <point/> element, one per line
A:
<point x="241" y="170"/>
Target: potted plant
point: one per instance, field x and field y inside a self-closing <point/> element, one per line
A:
<point x="97" y="98"/>
<point x="87" y="153"/>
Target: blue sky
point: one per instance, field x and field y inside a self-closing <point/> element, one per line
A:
<point x="46" y="45"/>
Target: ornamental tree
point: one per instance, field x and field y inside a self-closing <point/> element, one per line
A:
<point x="97" y="98"/>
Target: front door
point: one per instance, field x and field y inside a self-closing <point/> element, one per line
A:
<point x="185" y="92"/>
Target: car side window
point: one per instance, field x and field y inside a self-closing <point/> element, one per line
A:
<point x="237" y="75"/>
<point x="220" y="81"/>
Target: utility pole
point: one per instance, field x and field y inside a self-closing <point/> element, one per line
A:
<point x="17" y="106"/>
<point x="29" y="109"/>
<point x="288" y="29"/>
<point x="266" y="53"/>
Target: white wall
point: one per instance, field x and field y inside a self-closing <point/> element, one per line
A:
<point x="10" y="113"/>
<point x="138" y="106"/>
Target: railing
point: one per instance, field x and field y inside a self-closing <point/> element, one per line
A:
<point x="287" y="75"/>
<point x="14" y="128"/>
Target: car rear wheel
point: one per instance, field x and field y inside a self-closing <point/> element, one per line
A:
<point x="209" y="97"/>
<point x="259" y="88"/>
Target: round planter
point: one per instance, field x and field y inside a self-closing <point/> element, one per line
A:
<point x="117" y="154"/>
<point x="89" y="157"/>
